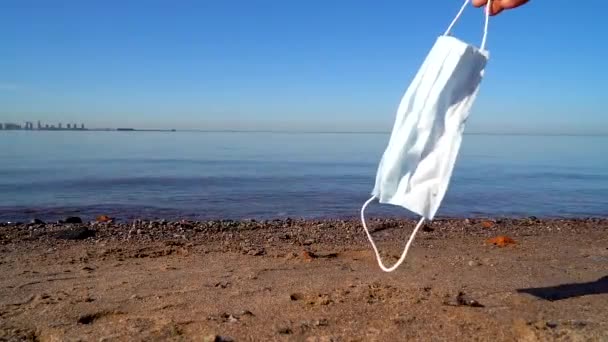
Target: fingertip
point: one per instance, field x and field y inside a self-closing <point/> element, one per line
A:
<point x="496" y="8"/>
<point x="479" y="3"/>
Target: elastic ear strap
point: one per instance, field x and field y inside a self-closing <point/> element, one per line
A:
<point x="485" y="29"/>
<point x="466" y="2"/>
<point x="369" y="236"/>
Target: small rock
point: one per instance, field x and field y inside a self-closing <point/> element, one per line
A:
<point x="487" y="224"/>
<point x="464" y="300"/>
<point x="577" y="324"/>
<point x="501" y="241"/>
<point x="138" y="232"/>
<point x="73" y="220"/>
<point x="285" y="331"/>
<point x="104" y="218"/>
<point x="36" y="221"/>
<point x="551" y="325"/>
<point x="308" y="242"/>
<point x="217" y="338"/>
<point x="307" y="256"/>
<point x="296" y="296"/>
<point x="80" y="233"/>
<point x="256" y="252"/>
<point x="473" y="263"/>
<point x="246" y="313"/>
<point x="322" y="322"/>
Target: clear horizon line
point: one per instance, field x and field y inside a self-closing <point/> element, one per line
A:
<point x="287" y="131"/>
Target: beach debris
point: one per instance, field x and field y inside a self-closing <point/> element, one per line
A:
<point x="285" y="331"/>
<point x="307" y="256"/>
<point x="36" y="221"/>
<point x="462" y="299"/>
<point x="296" y="296"/>
<point x="79" y="233"/>
<point x="308" y="242"/>
<point x="230" y="318"/>
<point x="254" y="251"/>
<point x="104" y="218"/>
<point x="501" y="241"/>
<point x="73" y="220"/>
<point x="89" y="318"/>
<point x="321" y="339"/>
<point x="222" y="284"/>
<point x="217" y="338"/>
<point x="474" y="263"/>
<point x="487" y="224"/>
<point x="321" y="322"/>
<point x="427" y="229"/>
<point x="246" y="313"/>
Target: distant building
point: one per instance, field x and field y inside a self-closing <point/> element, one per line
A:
<point x="39" y="125"/>
<point x="59" y="126"/>
<point x="69" y="126"/>
<point x="1" y="126"/>
<point x="82" y="126"/>
<point x="11" y="126"/>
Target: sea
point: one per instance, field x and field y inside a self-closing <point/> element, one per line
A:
<point x="274" y="175"/>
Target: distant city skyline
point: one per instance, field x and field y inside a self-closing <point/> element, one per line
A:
<point x="29" y="126"/>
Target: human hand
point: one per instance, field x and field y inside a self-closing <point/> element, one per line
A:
<point x="499" y="5"/>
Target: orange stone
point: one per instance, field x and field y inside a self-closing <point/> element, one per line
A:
<point x="104" y="218"/>
<point x="501" y="241"/>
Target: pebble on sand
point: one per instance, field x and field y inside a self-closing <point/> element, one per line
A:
<point x="104" y="218"/>
<point x="501" y="241"/>
<point x="73" y="219"/>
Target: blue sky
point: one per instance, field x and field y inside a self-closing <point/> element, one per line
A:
<point x="276" y="64"/>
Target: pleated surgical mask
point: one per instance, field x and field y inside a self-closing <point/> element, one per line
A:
<point x="416" y="167"/>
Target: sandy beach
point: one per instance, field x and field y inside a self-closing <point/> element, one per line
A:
<point x="291" y="280"/>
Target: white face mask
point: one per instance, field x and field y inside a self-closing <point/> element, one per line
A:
<point x="417" y="165"/>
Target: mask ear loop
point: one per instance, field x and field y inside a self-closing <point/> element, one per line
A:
<point x="485" y="29"/>
<point x="369" y="237"/>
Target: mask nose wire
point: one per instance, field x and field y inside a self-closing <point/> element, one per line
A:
<point x="369" y="236"/>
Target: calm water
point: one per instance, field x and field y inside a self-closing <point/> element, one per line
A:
<point x="268" y="175"/>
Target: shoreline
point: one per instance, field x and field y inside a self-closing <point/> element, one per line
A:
<point x="105" y="227"/>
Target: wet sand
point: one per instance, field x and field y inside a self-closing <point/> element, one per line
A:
<point x="304" y="281"/>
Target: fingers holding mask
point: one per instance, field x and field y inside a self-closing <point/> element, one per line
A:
<point x="499" y="5"/>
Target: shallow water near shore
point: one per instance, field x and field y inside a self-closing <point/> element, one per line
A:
<point x="207" y="175"/>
